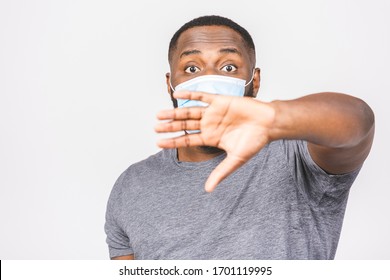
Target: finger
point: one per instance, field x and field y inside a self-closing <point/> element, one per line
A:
<point x="224" y="169"/>
<point x="188" y="140"/>
<point x="194" y="113"/>
<point x="194" y="95"/>
<point x="175" y="126"/>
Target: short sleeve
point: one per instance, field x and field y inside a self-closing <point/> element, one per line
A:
<point x="117" y="240"/>
<point x="319" y="187"/>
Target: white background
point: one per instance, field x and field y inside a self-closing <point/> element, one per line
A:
<point x="82" y="81"/>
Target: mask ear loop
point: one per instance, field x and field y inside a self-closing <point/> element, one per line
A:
<point x="174" y="100"/>
<point x="253" y="75"/>
<point x="170" y="84"/>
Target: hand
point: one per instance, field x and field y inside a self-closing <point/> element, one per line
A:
<point x="239" y="125"/>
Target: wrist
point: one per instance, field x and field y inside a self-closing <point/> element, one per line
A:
<point x="281" y="125"/>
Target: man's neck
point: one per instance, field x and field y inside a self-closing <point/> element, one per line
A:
<point x="196" y="154"/>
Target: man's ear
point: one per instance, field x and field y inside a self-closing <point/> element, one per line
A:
<point x="170" y="90"/>
<point x="168" y="78"/>
<point x="256" y="82"/>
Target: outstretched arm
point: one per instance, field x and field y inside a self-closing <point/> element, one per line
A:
<point x="338" y="127"/>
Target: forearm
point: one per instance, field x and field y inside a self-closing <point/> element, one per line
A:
<point x="331" y="120"/>
<point x="338" y="127"/>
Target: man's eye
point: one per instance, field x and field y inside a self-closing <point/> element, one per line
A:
<point x="192" y="69"/>
<point x="229" y="68"/>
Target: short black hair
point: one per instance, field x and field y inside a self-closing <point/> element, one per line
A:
<point x="210" y="21"/>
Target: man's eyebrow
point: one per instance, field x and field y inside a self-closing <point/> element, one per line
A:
<point x="230" y="50"/>
<point x="190" y="52"/>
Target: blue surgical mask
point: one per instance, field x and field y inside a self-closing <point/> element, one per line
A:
<point x="215" y="84"/>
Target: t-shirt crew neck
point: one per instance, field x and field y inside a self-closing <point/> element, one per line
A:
<point x="173" y="153"/>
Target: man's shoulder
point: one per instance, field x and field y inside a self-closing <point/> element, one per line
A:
<point x="152" y="161"/>
<point x="147" y="166"/>
<point x="141" y="171"/>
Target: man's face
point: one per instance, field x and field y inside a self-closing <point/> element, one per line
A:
<point x="212" y="50"/>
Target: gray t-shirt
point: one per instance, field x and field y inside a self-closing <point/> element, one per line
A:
<point x="279" y="205"/>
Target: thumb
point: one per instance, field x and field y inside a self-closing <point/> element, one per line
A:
<point x="224" y="169"/>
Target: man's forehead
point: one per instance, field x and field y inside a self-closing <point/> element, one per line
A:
<point x="208" y="37"/>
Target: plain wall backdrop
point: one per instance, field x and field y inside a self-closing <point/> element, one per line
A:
<point x="81" y="83"/>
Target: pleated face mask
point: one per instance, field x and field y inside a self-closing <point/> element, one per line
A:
<point x="215" y="84"/>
